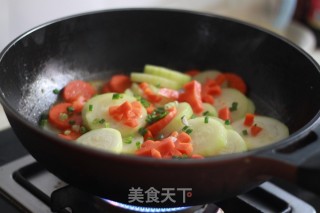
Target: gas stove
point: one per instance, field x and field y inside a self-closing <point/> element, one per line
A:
<point x="26" y="186"/>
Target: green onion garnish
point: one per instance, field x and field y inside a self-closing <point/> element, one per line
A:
<point x="234" y="106"/>
<point x="56" y="91"/>
<point x="83" y="130"/>
<point x="142" y="131"/>
<point x="189" y="131"/>
<point x="116" y="96"/>
<point x="72" y="122"/>
<point x="143" y="101"/>
<point x="43" y="122"/>
<point x="101" y="121"/>
<point x="244" y="132"/>
<point x="127" y="140"/>
<point x="138" y="144"/>
<point x="70" y="109"/>
<point x="206" y="119"/>
<point x="227" y="122"/>
<point x="90" y="107"/>
<point x="156" y="115"/>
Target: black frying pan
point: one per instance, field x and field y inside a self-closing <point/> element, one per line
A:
<point x="283" y="81"/>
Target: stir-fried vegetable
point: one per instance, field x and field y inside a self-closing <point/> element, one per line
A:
<point x="163" y="113"/>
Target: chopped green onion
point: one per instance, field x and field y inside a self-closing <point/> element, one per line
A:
<point x="189" y="131"/>
<point x="156" y="115"/>
<point x="206" y="119"/>
<point x="227" y="122"/>
<point x="127" y="140"/>
<point x="193" y="116"/>
<point x="72" y="122"/>
<point x="142" y="131"/>
<point x="185" y="128"/>
<point x="106" y="125"/>
<point x="143" y="101"/>
<point x="83" y="129"/>
<point x="43" y="122"/>
<point x="234" y="106"/>
<point x="70" y="109"/>
<point x="63" y="116"/>
<point x="116" y="96"/>
<point x="56" y="91"/>
<point x="101" y="121"/>
<point x="90" y="107"/>
<point x="138" y="144"/>
<point x="205" y="113"/>
<point x="244" y="132"/>
<point x="184" y="156"/>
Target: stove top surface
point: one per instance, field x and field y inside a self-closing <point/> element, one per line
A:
<point x="26" y="186"/>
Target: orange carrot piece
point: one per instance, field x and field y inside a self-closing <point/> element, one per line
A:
<point x="220" y="79"/>
<point x="127" y="112"/>
<point x="155" y="153"/>
<point x="224" y="113"/>
<point x="255" y="130"/>
<point x="207" y="99"/>
<point x="160" y="124"/>
<point x="150" y="108"/>
<point x="76" y="88"/>
<point x="236" y="82"/>
<point x="106" y="88"/>
<point x="169" y="93"/>
<point x="71" y="136"/>
<point x="183" y="137"/>
<point x="192" y="95"/>
<point x="192" y="72"/>
<point x="249" y="119"/>
<point x="60" y="117"/>
<point x="78" y="104"/>
<point x="119" y="83"/>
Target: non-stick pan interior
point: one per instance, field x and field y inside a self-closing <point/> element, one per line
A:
<point x="282" y="81"/>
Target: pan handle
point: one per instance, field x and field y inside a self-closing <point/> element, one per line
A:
<point x="303" y="159"/>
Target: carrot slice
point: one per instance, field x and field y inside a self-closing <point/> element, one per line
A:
<point x="249" y="119"/>
<point x="236" y="82"/>
<point x="78" y="104"/>
<point x="160" y="124"/>
<point x="127" y="112"/>
<point x="119" y="83"/>
<point x="255" y="130"/>
<point x="169" y="93"/>
<point x="224" y="113"/>
<point x="60" y="117"/>
<point x="106" y="88"/>
<point x="220" y="79"/>
<point x="71" y="136"/>
<point x="77" y="88"/>
<point x="192" y="72"/>
<point x="192" y="95"/>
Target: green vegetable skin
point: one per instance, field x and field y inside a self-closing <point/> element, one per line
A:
<point x="100" y="106"/>
<point x="174" y="75"/>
